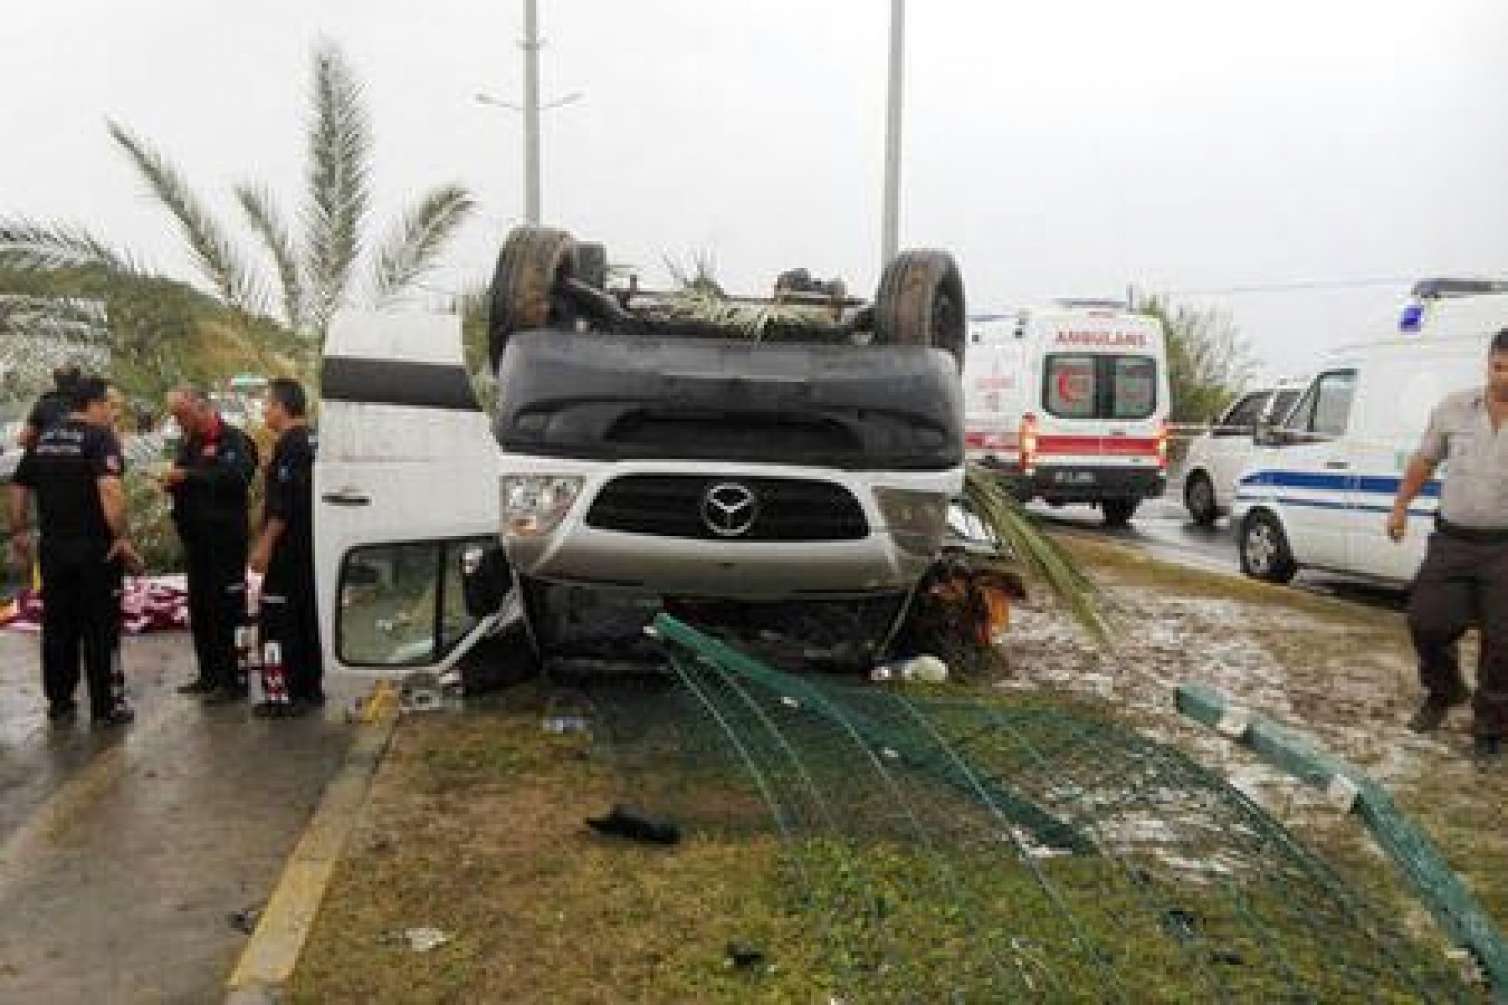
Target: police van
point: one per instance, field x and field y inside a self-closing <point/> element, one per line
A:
<point x="1069" y="403"/>
<point x="1317" y="492"/>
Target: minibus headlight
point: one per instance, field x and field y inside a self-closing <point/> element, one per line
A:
<point x="916" y="520"/>
<point x="533" y="505"/>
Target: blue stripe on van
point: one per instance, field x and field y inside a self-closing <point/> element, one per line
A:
<point x="1370" y="484"/>
<point x="1324" y="504"/>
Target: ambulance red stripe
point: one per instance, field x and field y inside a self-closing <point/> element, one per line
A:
<point x="1099" y="446"/>
<point x="990" y="441"/>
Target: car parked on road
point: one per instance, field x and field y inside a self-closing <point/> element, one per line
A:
<point x="1218" y="455"/>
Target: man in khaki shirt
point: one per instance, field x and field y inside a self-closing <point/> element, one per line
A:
<point x="1464" y="578"/>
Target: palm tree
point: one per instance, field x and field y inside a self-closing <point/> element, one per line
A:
<point x="316" y="268"/>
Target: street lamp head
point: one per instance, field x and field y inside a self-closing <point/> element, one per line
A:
<point x="483" y="98"/>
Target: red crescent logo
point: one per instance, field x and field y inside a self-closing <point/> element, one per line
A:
<point x="1066" y="389"/>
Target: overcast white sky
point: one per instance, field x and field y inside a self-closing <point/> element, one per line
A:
<point x="1066" y="148"/>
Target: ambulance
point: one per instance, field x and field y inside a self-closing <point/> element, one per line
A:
<point x="1069" y="403"/>
<point x="1317" y="492"/>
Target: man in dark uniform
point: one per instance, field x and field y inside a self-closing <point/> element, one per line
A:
<point x="208" y="482"/>
<point x="1464" y="578"/>
<point x="285" y="553"/>
<point x="53" y="407"/>
<point x="75" y="470"/>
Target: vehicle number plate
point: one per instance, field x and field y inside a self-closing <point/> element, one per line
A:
<point x="1073" y="477"/>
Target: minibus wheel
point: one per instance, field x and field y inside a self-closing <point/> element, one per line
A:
<point x="523" y="293"/>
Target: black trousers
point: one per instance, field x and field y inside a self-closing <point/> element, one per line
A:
<point x="81" y="618"/>
<point x="216" y="566"/>
<point x="1463" y="583"/>
<point x="290" y="617"/>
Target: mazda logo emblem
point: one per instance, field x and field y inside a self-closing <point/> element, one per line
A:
<point x="729" y="509"/>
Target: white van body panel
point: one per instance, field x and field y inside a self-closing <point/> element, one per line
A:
<point x="1332" y="495"/>
<point x="414" y="462"/>
<point x="1040" y="362"/>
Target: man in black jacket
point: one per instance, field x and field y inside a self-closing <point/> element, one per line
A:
<point x="74" y="469"/>
<point x="285" y="553"/>
<point x="53" y="407"/>
<point x="209" y="482"/>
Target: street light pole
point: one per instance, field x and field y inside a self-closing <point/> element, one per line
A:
<point x="890" y="225"/>
<point x="530" y="46"/>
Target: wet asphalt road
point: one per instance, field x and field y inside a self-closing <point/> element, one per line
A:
<point x="1162" y="528"/>
<point x="122" y="852"/>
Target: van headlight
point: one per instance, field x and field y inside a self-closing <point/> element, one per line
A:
<point x="534" y="505"/>
<point x="917" y="520"/>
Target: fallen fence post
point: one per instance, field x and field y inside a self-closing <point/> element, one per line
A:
<point x="1433" y="880"/>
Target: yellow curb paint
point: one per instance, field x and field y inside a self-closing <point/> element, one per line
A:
<point x="272" y="953"/>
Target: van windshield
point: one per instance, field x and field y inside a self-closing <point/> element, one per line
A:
<point x="1082" y="386"/>
<point x="1282" y="404"/>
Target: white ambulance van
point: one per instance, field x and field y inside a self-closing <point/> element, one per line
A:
<point x="1317" y="492"/>
<point x="1069" y="403"/>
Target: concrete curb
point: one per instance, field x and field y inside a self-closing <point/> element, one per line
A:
<point x="270" y="956"/>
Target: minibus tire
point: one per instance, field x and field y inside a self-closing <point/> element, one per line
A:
<point x="1279" y="567"/>
<point x="1200" y="503"/>
<point x="591" y="264"/>
<point x="921" y="302"/>
<point x="1118" y="512"/>
<point x="522" y="295"/>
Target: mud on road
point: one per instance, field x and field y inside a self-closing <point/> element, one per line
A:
<point x="1341" y="672"/>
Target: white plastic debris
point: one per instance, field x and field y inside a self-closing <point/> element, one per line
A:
<point x="1468" y="964"/>
<point x="1233" y="722"/>
<point x="421" y="691"/>
<point x="1342" y="793"/>
<point x="423" y="940"/>
<point x="567" y="724"/>
<point x="927" y="669"/>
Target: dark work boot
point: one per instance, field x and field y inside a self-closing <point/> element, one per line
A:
<point x="60" y="711"/>
<point x="1434" y="708"/>
<point x="1487" y="750"/>
<point x="196" y="686"/>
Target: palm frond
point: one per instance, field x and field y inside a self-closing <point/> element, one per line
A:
<point x="27" y="245"/>
<point x="213" y="252"/>
<point x="414" y="243"/>
<point x="699" y="274"/>
<point x="340" y="146"/>
<point x="1013" y="529"/>
<point x="267" y="223"/>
